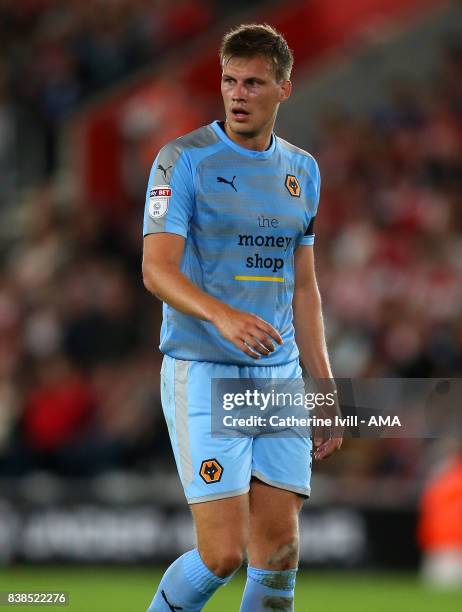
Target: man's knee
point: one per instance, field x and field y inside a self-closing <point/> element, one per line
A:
<point x="223" y="561"/>
<point x="284" y="555"/>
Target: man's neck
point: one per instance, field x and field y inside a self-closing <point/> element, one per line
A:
<point x="261" y="142"/>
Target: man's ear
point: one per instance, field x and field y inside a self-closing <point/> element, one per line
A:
<point x="286" y="90"/>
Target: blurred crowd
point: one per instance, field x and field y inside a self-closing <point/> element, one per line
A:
<point x="79" y="375"/>
<point x="79" y="372"/>
<point x="56" y="55"/>
<point x="390" y="231"/>
<point x="389" y="251"/>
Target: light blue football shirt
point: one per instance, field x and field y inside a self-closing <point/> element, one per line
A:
<point x="243" y="214"/>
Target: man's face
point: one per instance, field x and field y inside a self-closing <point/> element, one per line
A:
<point x="251" y="94"/>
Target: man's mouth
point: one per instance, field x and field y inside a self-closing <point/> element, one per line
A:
<point x="240" y="114"/>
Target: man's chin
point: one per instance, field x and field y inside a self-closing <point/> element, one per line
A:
<point x="241" y="129"/>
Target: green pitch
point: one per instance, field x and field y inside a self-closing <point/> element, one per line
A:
<point x="130" y="590"/>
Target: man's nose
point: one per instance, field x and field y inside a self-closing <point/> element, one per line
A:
<point x="239" y="92"/>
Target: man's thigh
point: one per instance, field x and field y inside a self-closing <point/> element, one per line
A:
<point x="210" y="468"/>
<point x="222" y="526"/>
<point x="273" y="535"/>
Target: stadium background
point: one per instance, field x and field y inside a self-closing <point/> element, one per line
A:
<point x="89" y="498"/>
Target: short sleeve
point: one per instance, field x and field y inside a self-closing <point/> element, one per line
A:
<point x="170" y="193"/>
<point x="308" y="238"/>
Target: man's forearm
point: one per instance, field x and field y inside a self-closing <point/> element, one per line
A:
<point x="173" y="287"/>
<point x="248" y="332"/>
<point x="309" y="332"/>
<point x="310" y="337"/>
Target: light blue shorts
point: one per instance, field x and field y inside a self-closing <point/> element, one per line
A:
<point x="215" y="468"/>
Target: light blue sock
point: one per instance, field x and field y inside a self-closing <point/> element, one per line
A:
<point x="187" y="585"/>
<point x="267" y="590"/>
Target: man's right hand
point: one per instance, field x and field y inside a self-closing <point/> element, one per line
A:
<point x="162" y="255"/>
<point x="248" y="332"/>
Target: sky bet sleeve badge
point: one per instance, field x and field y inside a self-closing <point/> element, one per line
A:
<point x="158" y="201"/>
<point x="293" y="185"/>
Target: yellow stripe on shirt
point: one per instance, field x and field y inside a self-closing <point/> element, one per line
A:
<point x="266" y="279"/>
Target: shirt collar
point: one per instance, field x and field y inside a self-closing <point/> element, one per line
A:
<point x="242" y="150"/>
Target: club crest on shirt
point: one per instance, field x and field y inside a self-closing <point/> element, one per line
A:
<point x="159" y="196"/>
<point x="293" y="186"/>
